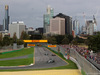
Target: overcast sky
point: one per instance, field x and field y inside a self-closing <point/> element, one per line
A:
<point x="31" y="11"/>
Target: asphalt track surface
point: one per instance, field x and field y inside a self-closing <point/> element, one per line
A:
<point x="41" y="60"/>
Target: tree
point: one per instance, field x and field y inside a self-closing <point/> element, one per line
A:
<point x="0" y="36"/>
<point x="20" y="42"/>
<point x="74" y="42"/>
<point x="52" y="40"/>
<point x="24" y="36"/>
<point x="70" y="37"/>
<point x="6" y="41"/>
<point x="36" y="37"/>
<point x="59" y="38"/>
<point x="44" y="37"/>
<point x="94" y="42"/>
<point x="1" y="42"/>
<point x="14" y="38"/>
<point x="65" y="41"/>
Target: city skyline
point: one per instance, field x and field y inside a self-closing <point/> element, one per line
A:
<point x="31" y="11"/>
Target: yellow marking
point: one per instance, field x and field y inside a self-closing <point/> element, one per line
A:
<point x="45" y="72"/>
<point x="51" y="45"/>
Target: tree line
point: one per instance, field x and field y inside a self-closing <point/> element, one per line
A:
<point x="92" y="41"/>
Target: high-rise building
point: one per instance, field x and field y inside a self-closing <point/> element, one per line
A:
<point x="91" y="26"/>
<point x="95" y="24"/>
<point x="57" y="26"/>
<point x="16" y="27"/>
<point x="6" y="19"/>
<point x="76" y="27"/>
<point x="47" y="17"/>
<point x="68" y="23"/>
<point x="1" y="27"/>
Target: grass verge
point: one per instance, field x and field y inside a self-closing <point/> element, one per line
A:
<point x="17" y="62"/>
<point x="18" y="53"/>
<point x="82" y="72"/>
<point x="71" y="65"/>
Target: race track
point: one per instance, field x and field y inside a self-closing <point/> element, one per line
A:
<point x="41" y="60"/>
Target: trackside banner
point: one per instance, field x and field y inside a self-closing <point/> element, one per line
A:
<point x="27" y="41"/>
<point x="51" y="45"/>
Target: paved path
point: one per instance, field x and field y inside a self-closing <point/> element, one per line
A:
<point x="20" y="57"/>
<point x="44" y="72"/>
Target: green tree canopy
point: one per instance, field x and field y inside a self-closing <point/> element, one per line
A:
<point x="6" y="41"/>
<point x="65" y="41"/>
<point x="14" y="38"/>
<point x="52" y="40"/>
<point x="94" y="42"/>
<point x="24" y="36"/>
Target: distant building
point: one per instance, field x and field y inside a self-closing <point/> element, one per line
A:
<point x="73" y="33"/>
<point x="57" y="26"/>
<point x="5" y="33"/>
<point x="30" y="31"/>
<point x="76" y="27"/>
<point x="83" y="30"/>
<point x="1" y="27"/>
<point x="16" y="27"/>
<point x="91" y="26"/>
<point x="68" y="23"/>
<point x="40" y="30"/>
<point x="47" y="17"/>
<point x="6" y="19"/>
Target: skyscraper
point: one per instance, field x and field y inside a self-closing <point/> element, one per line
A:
<point x="47" y="17"/>
<point x="57" y="26"/>
<point x="76" y="26"/>
<point x="91" y="26"/>
<point x="6" y="19"/>
<point x="68" y="23"/>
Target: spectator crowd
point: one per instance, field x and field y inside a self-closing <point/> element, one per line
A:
<point x="85" y="52"/>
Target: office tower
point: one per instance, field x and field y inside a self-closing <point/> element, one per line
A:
<point x="16" y="27"/>
<point x="76" y="27"/>
<point x="47" y="17"/>
<point x="1" y="27"/>
<point x="6" y="19"/>
<point x="95" y="24"/>
<point x="57" y="26"/>
<point x="91" y="26"/>
<point x="68" y="23"/>
<point x="83" y="30"/>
